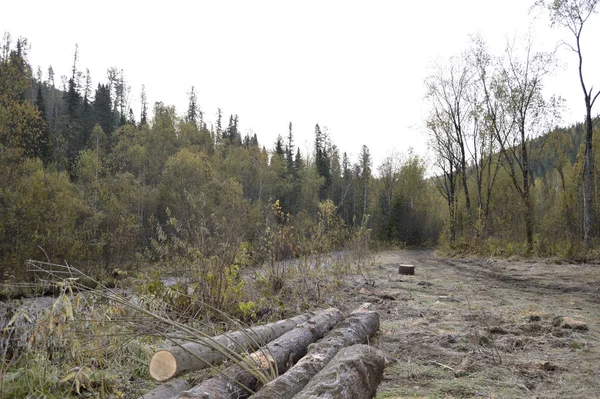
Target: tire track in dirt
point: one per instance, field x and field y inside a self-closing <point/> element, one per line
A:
<point x="483" y="270"/>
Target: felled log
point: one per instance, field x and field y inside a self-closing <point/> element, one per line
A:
<point x="179" y="360"/>
<point x="237" y="381"/>
<point x="406" y="270"/>
<point x="354" y="373"/>
<point x="167" y="390"/>
<point x="355" y="329"/>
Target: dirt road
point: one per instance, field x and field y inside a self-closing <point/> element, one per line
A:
<point x="483" y="327"/>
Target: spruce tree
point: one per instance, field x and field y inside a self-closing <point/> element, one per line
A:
<point x="194" y="115"/>
<point x="322" y="162"/>
<point x="103" y="108"/>
<point x="144" y="111"/>
<point x="43" y="146"/>
<point x="289" y="156"/>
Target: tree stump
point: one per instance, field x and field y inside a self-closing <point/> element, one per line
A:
<point x="408" y="270"/>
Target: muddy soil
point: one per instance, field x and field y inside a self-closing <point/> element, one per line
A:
<point x="462" y="328"/>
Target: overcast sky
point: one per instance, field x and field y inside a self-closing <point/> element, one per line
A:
<point x="356" y="67"/>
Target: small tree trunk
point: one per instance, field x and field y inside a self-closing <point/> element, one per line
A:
<point x="356" y="328"/>
<point x="529" y="221"/>
<point x="237" y="382"/>
<point x="354" y="373"/>
<point x="588" y="189"/>
<point x="179" y="360"/>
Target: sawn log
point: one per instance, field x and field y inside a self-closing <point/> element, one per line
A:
<point x="167" y="390"/>
<point x="237" y="382"/>
<point x="179" y="360"/>
<point x="355" y="329"/>
<point x="354" y="373"/>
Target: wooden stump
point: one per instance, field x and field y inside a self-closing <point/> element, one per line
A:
<point x="408" y="270"/>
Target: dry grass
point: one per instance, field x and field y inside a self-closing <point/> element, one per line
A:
<point x="488" y="328"/>
<point x="459" y="328"/>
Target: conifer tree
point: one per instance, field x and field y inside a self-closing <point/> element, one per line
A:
<point x="289" y="154"/>
<point x="44" y="142"/>
<point x="193" y="116"/>
<point x="103" y="108"/>
<point x="144" y="103"/>
<point x="322" y="162"/>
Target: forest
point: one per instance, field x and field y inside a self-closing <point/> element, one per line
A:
<point x="88" y="182"/>
<point x="121" y="229"/>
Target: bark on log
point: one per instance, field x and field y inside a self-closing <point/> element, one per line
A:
<point x="355" y="329"/>
<point x="354" y="373"/>
<point x="282" y="353"/>
<point x="406" y="269"/>
<point x="167" y="390"/>
<point x="179" y="360"/>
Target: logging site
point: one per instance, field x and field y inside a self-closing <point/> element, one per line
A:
<point x="319" y="199"/>
<point x="389" y="324"/>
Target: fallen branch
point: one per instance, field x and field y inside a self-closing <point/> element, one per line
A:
<point x="354" y="373"/>
<point x="238" y="380"/>
<point x="179" y="360"/>
<point x="356" y="328"/>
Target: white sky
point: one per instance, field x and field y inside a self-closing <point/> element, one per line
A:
<point x="356" y="67"/>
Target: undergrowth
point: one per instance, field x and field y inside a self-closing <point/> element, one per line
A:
<point x="96" y="342"/>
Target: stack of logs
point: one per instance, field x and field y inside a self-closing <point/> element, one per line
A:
<point x="319" y="354"/>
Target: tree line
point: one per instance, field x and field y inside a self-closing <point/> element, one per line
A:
<point x="86" y="181"/>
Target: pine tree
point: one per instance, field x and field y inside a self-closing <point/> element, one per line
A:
<point x="322" y="162"/>
<point x="365" y="179"/>
<point x="194" y="115"/>
<point x="219" y="127"/>
<point x="298" y="161"/>
<point x="44" y="141"/>
<point x="87" y="113"/>
<point x="131" y="118"/>
<point x="103" y="108"/>
<point x="279" y="151"/>
<point x="289" y="155"/>
<point x="72" y="129"/>
<point x="144" y="111"/>
<point x="50" y="81"/>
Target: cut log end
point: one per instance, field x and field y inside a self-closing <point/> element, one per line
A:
<point x="408" y="270"/>
<point x="163" y="365"/>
